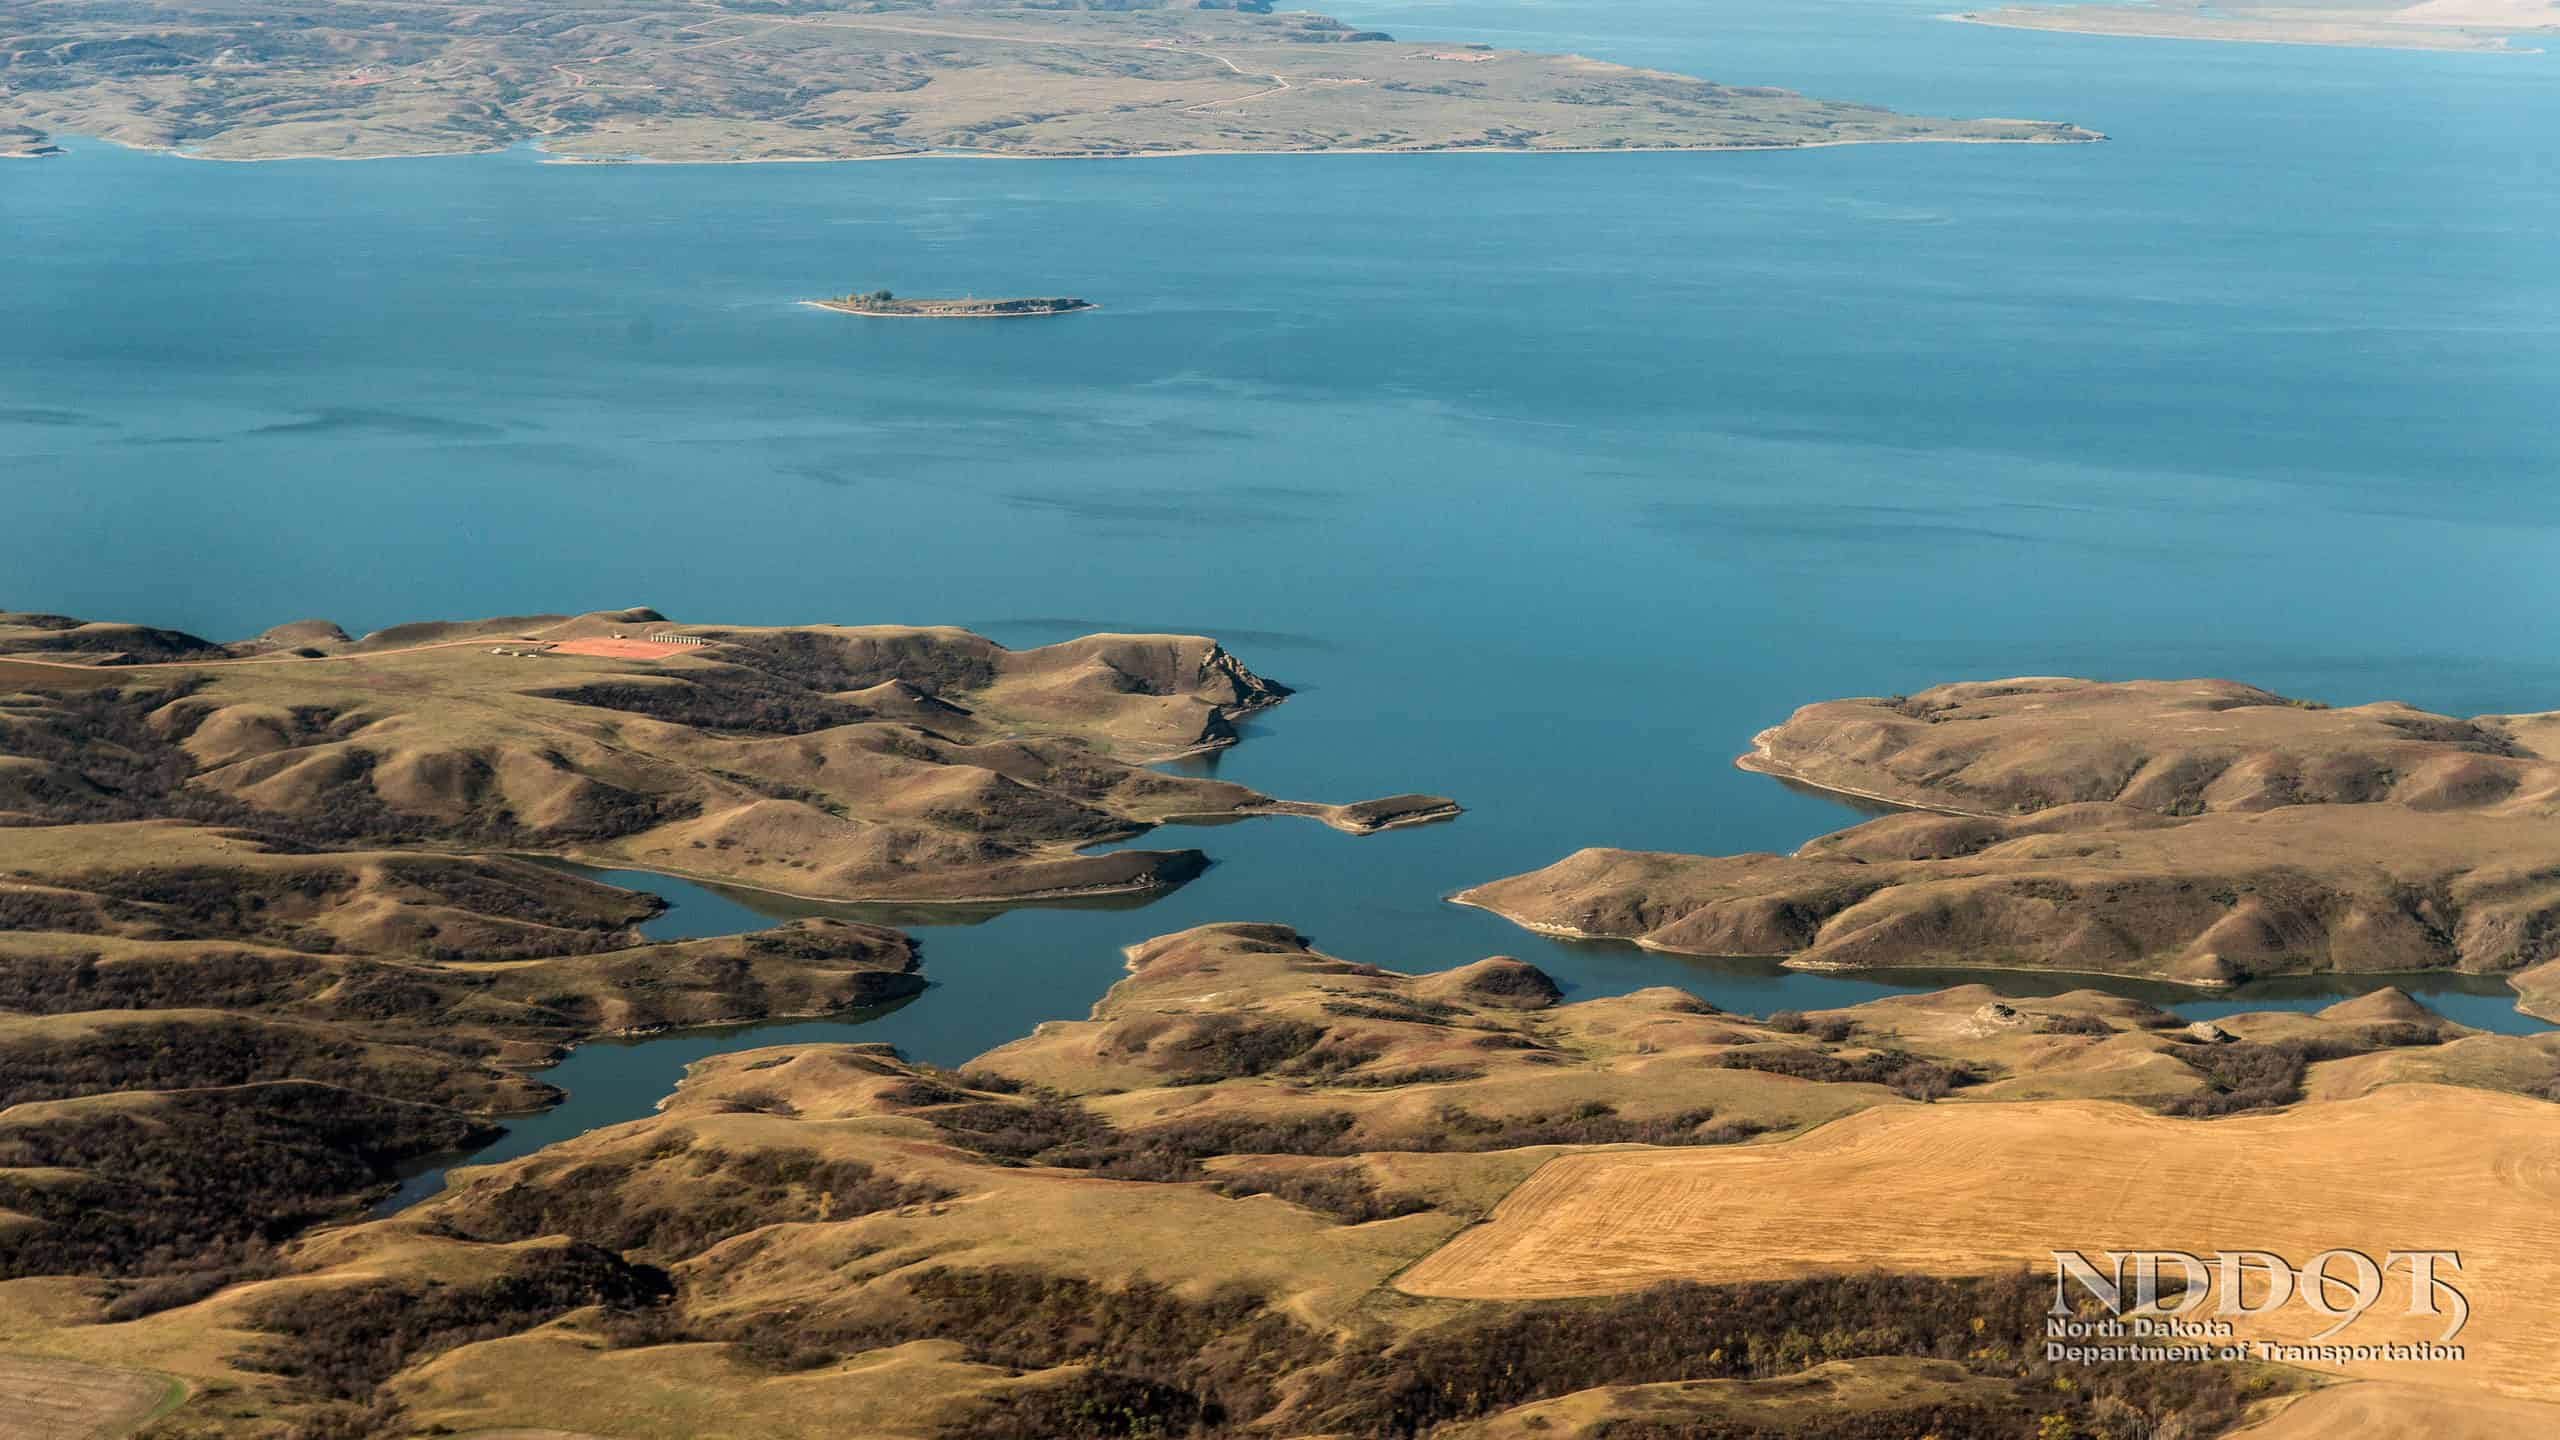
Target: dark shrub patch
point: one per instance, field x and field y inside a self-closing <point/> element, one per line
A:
<point x="1326" y="1063"/>
<point x="1226" y="1354"/>
<point x="1387" y="1005"/>
<point x="1409" y="1075"/>
<point x="1920" y="1079"/>
<point x="1591" y="1123"/>
<point x="1039" y="1130"/>
<point x="207" y="1180"/>
<point x="1099" y="1404"/>
<point x="1224" y="1047"/>
<point x="342" y="1343"/>
<point x="1683" y="1332"/>
<point x="129" y="770"/>
<point x="739" y="702"/>
<point x="50" y="910"/>
<point x="1339" y="1191"/>
<point x="207" y="901"/>
<point x="725" y="1194"/>
<point x="191" y="1054"/>
<point x="212" y="980"/>
<point x="126" y="769"/>
<point x="2245" y="1076"/>
<point x="821" y="662"/>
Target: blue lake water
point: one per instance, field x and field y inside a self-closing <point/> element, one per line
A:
<point x="1547" y="480"/>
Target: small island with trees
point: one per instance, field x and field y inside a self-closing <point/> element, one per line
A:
<point x="882" y="302"/>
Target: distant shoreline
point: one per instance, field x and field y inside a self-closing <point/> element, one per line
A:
<point x="2447" y="40"/>
<point x="2064" y="135"/>
<point x="2076" y="135"/>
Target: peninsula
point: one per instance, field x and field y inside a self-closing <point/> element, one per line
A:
<point x="2197" y="831"/>
<point x="2513" y="26"/>
<point x="25" y="142"/>
<point x="845" y="763"/>
<point x="747" y="80"/>
<point x="882" y="303"/>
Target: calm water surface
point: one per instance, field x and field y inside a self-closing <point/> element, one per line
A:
<point x="1547" y="480"/>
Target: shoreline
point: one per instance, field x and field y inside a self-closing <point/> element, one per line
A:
<point x="2207" y="988"/>
<point x="2079" y="135"/>
<point x="1331" y="815"/>
<point x="1758" y="761"/>
<point x="633" y="1036"/>
<point x="2488" y="44"/>
<point x="595" y="861"/>
<point x="2070" y="135"/>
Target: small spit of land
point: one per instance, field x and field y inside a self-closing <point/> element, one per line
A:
<point x="2197" y="831"/>
<point x="25" y="142"/>
<point x="2369" y="24"/>
<point x="811" y="80"/>
<point x="882" y="303"/>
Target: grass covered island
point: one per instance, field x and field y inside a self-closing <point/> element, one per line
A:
<point x="882" y="302"/>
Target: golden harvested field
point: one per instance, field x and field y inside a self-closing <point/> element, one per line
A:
<point x="1957" y="1189"/>
<point x="45" y="1399"/>
<point x="2382" y="1411"/>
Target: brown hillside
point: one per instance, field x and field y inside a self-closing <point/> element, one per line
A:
<point x="1984" y="1186"/>
<point x="831" y="762"/>
<point x="2197" y="831"/>
<point x="1193" y="1203"/>
<point x="2175" y="747"/>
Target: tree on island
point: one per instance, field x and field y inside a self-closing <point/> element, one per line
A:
<point x="880" y="297"/>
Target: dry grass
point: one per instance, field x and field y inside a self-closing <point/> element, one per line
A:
<point x="2192" y="830"/>
<point x="47" y="1399"/>
<point x="2091" y="888"/>
<point x="828" y="762"/>
<point x="2174" y="747"/>
<point x="1958" y="1189"/>
<point x="2376" y="1410"/>
<point x="16" y="675"/>
<point x="1827" y="1391"/>
<point x="679" y="82"/>
<point x="690" y="1392"/>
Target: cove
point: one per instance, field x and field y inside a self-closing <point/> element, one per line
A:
<point x="992" y="976"/>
